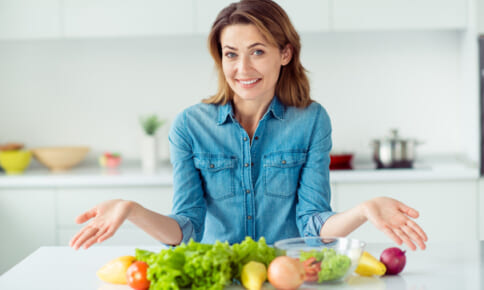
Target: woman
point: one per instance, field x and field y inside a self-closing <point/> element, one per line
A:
<point x="253" y="160"/>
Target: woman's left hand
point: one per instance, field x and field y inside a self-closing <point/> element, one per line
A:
<point x="394" y="219"/>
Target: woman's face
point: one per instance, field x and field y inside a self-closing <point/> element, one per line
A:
<point x="250" y="64"/>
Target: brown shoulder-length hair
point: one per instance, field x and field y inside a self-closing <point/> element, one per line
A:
<point x="292" y="87"/>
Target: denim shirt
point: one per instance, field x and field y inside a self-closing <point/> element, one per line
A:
<point x="227" y="187"/>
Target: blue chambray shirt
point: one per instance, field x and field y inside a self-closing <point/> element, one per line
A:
<point x="226" y="188"/>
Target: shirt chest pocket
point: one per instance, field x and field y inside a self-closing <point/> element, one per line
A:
<point x="281" y="172"/>
<point x="217" y="174"/>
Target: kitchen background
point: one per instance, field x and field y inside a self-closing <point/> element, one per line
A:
<point x="92" y="91"/>
<point x="86" y="88"/>
<point x="78" y="72"/>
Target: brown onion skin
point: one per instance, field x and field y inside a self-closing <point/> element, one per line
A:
<point x="286" y="273"/>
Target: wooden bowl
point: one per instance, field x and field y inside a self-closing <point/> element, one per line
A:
<point x="60" y="158"/>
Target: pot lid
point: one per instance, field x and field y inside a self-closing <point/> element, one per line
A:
<point x="394" y="137"/>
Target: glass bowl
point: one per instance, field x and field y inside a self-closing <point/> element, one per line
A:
<point x="325" y="259"/>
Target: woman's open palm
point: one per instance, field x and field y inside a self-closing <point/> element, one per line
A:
<point x="395" y="219"/>
<point x="105" y="218"/>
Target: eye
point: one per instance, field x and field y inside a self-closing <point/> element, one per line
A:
<point x="230" y="55"/>
<point x="259" y="52"/>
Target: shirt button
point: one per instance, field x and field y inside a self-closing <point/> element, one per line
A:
<point x="283" y="161"/>
<point x="252" y="164"/>
<point x="212" y="166"/>
<point x="245" y="138"/>
<point x="249" y="217"/>
<point x="256" y="137"/>
<point x="246" y="164"/>
<point x="247" y="191"/>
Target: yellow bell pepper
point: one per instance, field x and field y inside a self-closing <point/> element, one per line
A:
<point x="253" y="275"/>
<point x="369" y="266"/>
<point x="115" y="270"/>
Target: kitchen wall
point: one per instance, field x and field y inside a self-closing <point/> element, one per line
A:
<point x="480" y="15"/>
<point x="92" y="91"/>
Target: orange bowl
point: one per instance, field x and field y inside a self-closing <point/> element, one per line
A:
<point x="60" y="158"/>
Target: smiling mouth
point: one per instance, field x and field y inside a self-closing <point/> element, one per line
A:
<point x="248" y="83"/>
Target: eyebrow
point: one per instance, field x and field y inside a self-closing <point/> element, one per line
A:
<point x="250" y="46"/>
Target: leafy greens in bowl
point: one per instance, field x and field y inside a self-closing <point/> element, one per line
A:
<point x="324" y="259"/>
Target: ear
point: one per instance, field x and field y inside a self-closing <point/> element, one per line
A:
<point x="286" y="54"/>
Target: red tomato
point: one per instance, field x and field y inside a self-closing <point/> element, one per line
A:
<point x="312" y="270"/>
<point x="136" y="275"/>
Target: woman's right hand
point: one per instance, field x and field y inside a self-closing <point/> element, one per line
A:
<point x="105" y="218"/>
<point x="396" y="220"/>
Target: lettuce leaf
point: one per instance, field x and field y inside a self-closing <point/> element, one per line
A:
<point x="202" y="266"/>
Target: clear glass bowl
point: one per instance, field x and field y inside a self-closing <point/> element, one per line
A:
<point x="337" y="257"/>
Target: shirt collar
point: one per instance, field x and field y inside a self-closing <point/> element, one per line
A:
<point x="276" y="108"/>
<point x="225" y="112"/>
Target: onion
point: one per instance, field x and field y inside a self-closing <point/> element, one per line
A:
<point x="394" y="259"/>
<point x="286" y="273"/>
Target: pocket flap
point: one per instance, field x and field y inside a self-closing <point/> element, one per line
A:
<point x="213" y="162"/>
<point x="284" y="159"/>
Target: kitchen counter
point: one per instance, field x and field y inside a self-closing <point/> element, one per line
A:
<point x="89" y="176"/>
<point x="430" y="170"/>
<point x="130" y="174"/>
<point x="442" y="266"/>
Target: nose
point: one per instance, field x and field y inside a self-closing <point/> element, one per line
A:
<point x="244" y="64"/>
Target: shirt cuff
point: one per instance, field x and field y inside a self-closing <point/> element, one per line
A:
<point x="316" y="222"/>
<point x="186" y="227"/>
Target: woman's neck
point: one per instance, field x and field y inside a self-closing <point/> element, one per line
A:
<point x="249" y="113"/>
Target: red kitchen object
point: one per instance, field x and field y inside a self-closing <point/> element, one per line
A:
<point x="340" y="161"/>
<point x="110" y="160"/>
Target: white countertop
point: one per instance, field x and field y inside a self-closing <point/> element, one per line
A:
<point x="427" y="171"/>
<point x="89" y="176"/>
<point x="442" y="266"/>
<point x="130" y="174"/>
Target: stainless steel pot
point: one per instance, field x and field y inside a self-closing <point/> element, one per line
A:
<point x="394" y="152"/>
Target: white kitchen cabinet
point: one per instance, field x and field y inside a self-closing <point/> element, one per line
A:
<point x="22" y="19"/>
<point x="30" y="19"/>
<point x="448" y="209"/>
<point x="480" y="16"/>
<point x="116" y="18"/>
<point x="334" y="192"/>
<point x="72" y="202"/>
<point x="481" y="209"/>
<point x="355" y="15"/>
<point x="308" y="15"/>
<point x="27" y="221"/>
<point x="206" y="12"/>
<point x="125" y="236"/>
<point x="305" y="15"/>
<point x="35" y="217"/>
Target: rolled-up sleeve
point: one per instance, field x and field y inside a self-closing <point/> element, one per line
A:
<point x="314" y="192"/>
<point x="189" y="207"/>
<point x="186" y="227"/>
